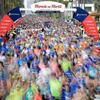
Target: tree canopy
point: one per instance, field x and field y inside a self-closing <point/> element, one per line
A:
<point x="97" y="5"/>
<point x="9" y="4"/>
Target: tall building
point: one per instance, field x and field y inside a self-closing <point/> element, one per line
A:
<point x="27" y="4"/>
<point x="88" y="5"/>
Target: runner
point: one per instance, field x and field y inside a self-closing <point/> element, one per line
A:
<point x="49" y="63"/>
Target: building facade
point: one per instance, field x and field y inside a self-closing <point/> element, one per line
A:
<point x="88" y="5"/>
<point x="27" y="4"/>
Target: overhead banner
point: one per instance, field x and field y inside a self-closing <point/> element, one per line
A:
<point x="48" y="6"/>
<point x="87" y="21"/>
<point x="8" y="20"/>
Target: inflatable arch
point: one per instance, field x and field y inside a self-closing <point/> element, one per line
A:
<point x="13" y="17"/>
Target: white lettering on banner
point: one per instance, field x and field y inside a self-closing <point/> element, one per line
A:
<point x="91" y="27"/>
<point x="89" y="21"/>
<point x="13" y="14"/>
<point x="81" y="15"/>
<point x="7" y="21"/>
<point x="4" y="23"/>
<point x="90" y="24"/>
<point x="92" y="30"/>
<point x="2" y="30"/>
<point x="3" y="27"/>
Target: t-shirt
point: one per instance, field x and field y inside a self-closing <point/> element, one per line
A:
<point x="17" y="47"/>
<point x="45" y="72"/>
<point x="2" y="59"/>
<point x="65" y="94"/>
<point x="37" y="96"/>
<point x="55" y="86"/>
<point x="53" y="66"/>
<point x="34" y="87"/>
<point x="93" y="59"/>
<point x="8" y="98"/>
<point x="66" y="65"/>
<point x="41" y="65"/>
<point x="97" y="88"/>
<point x="19" y="61"/>
<point x="29" y="94"/>
<point x="24" y="72"/>
<point x="74" y="87"/>
<point x="92" y="72"/>
<point x="87" y="64"/>
<point x="61" y="47"/>
<point x="16" y="94"/>
<point x="1" y="39"/>
<point x="47" y="51"/>
<point x="84" y="55"/>
<point x="56" y="47"/>
<point x="36" y="51"/>
<point x="51" y="53"/>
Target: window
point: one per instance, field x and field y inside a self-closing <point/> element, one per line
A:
<point x="88" y="9"/>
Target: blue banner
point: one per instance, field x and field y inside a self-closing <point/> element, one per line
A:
<point x="80" y="14"/>
<point x="14" y="14"/>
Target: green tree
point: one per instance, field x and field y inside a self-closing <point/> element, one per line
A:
<point x="97" y="5"/>
<point x="9" y="4"/>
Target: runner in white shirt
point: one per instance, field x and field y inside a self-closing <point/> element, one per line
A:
<point x="24" y="72"/>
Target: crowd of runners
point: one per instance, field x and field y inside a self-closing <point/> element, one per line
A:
<point x="49" y="61"/>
